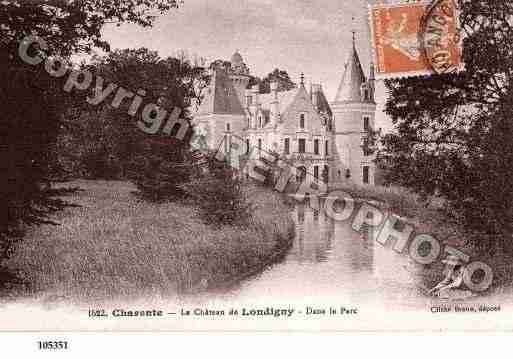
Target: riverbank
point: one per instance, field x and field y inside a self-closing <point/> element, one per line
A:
<point x="116" y="246"/>
<point x="431" y="217"/>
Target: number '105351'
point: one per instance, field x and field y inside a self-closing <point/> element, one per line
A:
<point x="52" y="345"/>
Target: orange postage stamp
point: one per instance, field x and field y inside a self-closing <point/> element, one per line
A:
<point x="414" y="39"/>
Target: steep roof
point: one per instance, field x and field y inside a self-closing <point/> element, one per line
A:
<point x="352" y="80"/>
<point x="320" y="100"/>
<point x="221" y="97"/>
<point x="298" y="94"/>
<point x="285" y="98"/>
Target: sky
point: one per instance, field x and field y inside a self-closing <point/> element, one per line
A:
<point x="307" y="36"/>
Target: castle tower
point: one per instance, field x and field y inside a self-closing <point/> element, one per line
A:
<point x="221" y="113"/>
<point x="354" y="113"/>
<point x="239" y="75"/>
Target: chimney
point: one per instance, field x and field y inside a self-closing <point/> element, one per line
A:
<point x="372" y="76"/>
<point x="316" y="92"/>
<point x="274" y="103"/>
<point x="249" y="98"/>
<point x="372" y="80"/>
<point x="254" y="104"/>
<point x="274" y="89"/>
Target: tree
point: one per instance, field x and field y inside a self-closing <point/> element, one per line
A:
<point x="453" y="131"/>
<point x="280" y="76"/>
<point x="102" y="141"/>
<point x="223" y="64"/>
<point x="33" y="102"/>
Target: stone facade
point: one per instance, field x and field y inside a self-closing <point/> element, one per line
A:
<point x="326" y="140"/>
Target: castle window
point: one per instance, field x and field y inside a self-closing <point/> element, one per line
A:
<point x="247" y="146"/>
<point x="316" y="147"/>
<point x="366" y="147"/>
<point x="287" y="146"/>
<point x="326" y="148"/>
<point x="227" y="127"/>
<point x="365" y="92"/>
<point x="259" y="144"/>
<point x="366" y="174"/>
<point x="301" y="145"/>
<point x="302" y="120"/>
<point x="260" y="121"/>
<point x="326" y="174"/>
<point x="316" y="172"/>
<point x="366" y="123"/>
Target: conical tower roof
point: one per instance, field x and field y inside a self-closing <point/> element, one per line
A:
<point x="221" y="97"/>
<point x="349" y="89"/>
<point x="237" y="58"/>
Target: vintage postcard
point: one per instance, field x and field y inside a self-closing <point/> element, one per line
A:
<point x="256" y="165"/>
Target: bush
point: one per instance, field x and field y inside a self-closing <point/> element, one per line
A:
<point x="160" y="169"/>
<point x="217" y="191"/>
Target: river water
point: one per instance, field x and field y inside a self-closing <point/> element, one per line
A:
<point x="328" y="267"/>
<point x="329" y="262"/>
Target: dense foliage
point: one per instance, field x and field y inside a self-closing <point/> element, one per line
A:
<point x="105" y="142"/>
<point x="279" y="76"/>
<point x="454" y="132"/>
<point x="33" y="102"/>
<point x="217" y="190"/>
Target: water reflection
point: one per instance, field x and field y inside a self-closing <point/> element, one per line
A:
<point x="329" y="260"/>
<point x="320" y="239"/>
<point x="314" y="233"/>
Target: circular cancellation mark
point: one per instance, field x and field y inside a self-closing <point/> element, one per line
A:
<point x="439" y="37"/>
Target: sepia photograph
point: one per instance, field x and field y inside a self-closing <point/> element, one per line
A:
<point x="256" y="165"/>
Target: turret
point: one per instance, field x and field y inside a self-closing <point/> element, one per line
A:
<point x="353" y="113"/>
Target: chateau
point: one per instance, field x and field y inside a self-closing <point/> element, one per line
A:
<point x="327" y="140"/>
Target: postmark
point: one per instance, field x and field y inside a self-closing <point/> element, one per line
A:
<point x="440" y="39"/>
<point x="415" y="39"/>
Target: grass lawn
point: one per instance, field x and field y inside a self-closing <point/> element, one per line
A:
<point x="115" y="246"/>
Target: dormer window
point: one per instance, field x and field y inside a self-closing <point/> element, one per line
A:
<point x="302" y="121"/>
